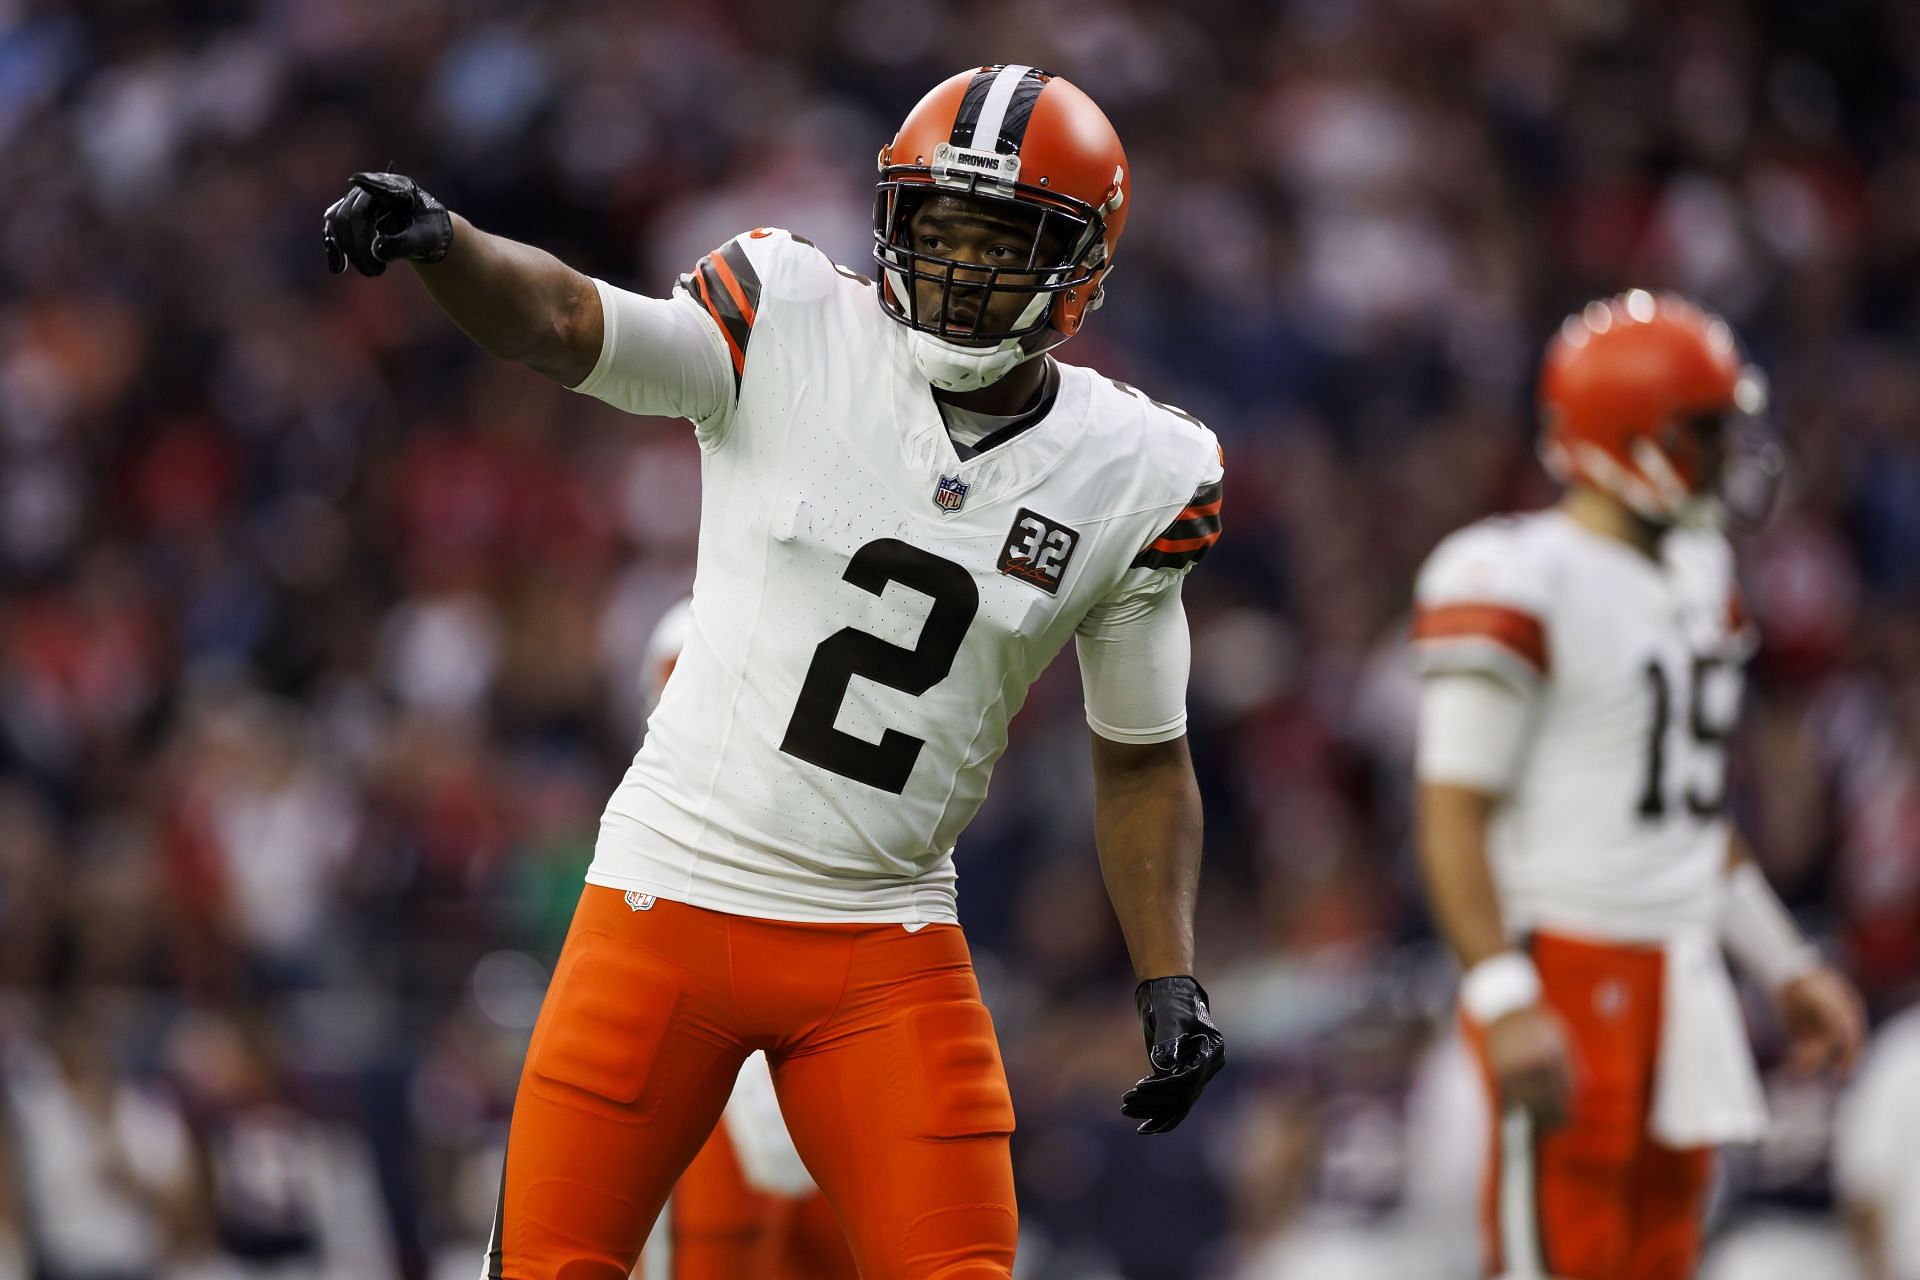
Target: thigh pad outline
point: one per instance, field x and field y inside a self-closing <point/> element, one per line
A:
<point x="960" y="1082"/>
<point x="607" y="1034"/>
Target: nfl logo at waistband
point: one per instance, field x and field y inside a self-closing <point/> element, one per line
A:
<point x="638" y="901"/>
<point x="951" y="493"/>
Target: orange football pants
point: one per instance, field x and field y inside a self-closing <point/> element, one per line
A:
<point x="1598" y="1198"/>
<point x="883" y="1057"/>
<point x="716" y="1226"/>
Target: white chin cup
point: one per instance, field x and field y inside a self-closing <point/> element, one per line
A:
<point x="1702" y="511"/>
<point x="952" y="367"/>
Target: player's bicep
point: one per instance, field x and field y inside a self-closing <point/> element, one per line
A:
<point x="1135" y="654"/>
<point x="660" y="357"/>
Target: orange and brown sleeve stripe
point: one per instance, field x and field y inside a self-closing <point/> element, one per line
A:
<point x="1191" y="534"/>
<point x="725" y="284"/>
<point x="1514" y="630"/>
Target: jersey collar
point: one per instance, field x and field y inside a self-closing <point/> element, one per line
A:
<point x="1010" y="467"/>
<point x="999" y="428"/>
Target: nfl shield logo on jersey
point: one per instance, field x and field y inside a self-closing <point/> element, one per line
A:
<point x="951" y="493"/>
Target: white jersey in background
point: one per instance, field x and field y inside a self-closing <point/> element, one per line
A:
<point x="869" y="609"/>
<point x="1876" y="1144"/>
<point x="1612" y="824"/>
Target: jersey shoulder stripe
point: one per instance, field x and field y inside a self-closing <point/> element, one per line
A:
<point x="1519" y="633"/>
<point x="1484" y="601"/>
<point x="726" y="285"/>
<point x="1192" y="533"/>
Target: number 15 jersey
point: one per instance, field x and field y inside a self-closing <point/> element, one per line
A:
<point x="1614" y="825"/>
<point x="869" y="609"/>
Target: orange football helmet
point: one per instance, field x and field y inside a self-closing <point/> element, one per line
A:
<point x="1026" y="144"/>
<point x="1631" y="392"/>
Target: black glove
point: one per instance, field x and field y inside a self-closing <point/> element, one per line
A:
<point x="1184" y="1047"/>
<point x="385" y="218"/>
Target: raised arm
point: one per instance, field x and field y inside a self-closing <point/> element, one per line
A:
<point x="516" y="301"/>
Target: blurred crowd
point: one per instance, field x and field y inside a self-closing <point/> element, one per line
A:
<point x="321" y="634"/>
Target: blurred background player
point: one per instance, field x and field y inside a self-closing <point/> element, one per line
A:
<point x="908" y="508"/>
<point x="1583" y="671"/>
<point x="105" y="1168"/>
<point x="1876" y="1153"/>
<point x="746" y="1206"/>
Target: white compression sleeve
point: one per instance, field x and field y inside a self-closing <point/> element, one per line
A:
<point x="660" y="357"/>
<point x="1134" y="655"/>
<point x="1759" y="933"/>
<point x="1472" y="729"/>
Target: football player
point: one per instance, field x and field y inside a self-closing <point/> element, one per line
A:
<point x="746" y="1206"/>
<point x="908" y="508"/>
<point x="1583" y="669"/>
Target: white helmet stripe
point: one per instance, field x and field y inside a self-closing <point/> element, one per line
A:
<point x="993" y="112"/>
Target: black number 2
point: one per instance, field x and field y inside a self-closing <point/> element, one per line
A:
<point x="888" y="763"/>
<point x="1653" y="797"/>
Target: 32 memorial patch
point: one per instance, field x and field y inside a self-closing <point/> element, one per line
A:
<point x="1038" y="550"/>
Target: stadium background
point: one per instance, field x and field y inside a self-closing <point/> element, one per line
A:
<point x="320" y="636"/>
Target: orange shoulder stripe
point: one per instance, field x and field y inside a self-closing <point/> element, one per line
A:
<point x="1173" y="545"/>
<point x="732" y="282"/>
<point x="706" y="300"/>
<point x="1513" y="629"/>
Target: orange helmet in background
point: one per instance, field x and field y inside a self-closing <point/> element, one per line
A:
<point x="1625" y="390"/>
<point x="1020" y="138"/>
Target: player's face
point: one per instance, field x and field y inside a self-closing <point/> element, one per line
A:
<point x="981" y="237"/>
<point x="1703" y="442"/>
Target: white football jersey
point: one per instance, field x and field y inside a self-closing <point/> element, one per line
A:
<point x="869" y="610"/>
<point x="1615" y="824"/>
